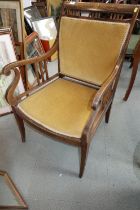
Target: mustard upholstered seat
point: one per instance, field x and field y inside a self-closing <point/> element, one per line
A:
<point x="89" y="49"/>
<point x="61" y="96"/>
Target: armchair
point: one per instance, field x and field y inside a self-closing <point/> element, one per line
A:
<point x="70" y="105"/>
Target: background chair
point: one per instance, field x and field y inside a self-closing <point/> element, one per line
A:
<point x="70" y="105"/>
<point x="133" y="51"/>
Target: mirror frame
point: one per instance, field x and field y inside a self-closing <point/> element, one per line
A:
<point x="14" y="190"/>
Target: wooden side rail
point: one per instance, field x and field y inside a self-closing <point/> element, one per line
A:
<point x="104" y="89"/>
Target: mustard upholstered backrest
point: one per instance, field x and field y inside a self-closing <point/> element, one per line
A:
<point x="89" y="49"/>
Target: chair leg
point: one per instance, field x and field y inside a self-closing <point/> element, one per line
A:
<point x="84" y="154"/>
<point x="107" y="115"/>
<point x="20" y="124"/>
<point x="132" y="80"/>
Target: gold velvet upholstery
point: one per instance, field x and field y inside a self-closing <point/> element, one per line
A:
<point x="62" y="106"/>
<point x="89" y="49"/>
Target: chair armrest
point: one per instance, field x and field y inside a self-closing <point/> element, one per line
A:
<point x="35" y="59"/>
<point x="104" y="88"/>
<point x="12" y="100"/>
<point x="99" y="103"/>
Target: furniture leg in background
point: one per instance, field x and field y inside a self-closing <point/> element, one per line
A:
<point x="135" y="62"/>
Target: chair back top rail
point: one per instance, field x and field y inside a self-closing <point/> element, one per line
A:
<point x="91" y="6"/>
<point x="100" y="11"/>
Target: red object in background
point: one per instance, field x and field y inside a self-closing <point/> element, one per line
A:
<point x="46" y="45"/>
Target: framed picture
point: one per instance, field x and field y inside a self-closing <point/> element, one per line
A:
<point x="10" y="197"/>
<point x="5" y="30"/>
<point x="11" y="15"/>
<point x="26" y="3"/>
<point x="41" y="6"/>
<point x="7" y="55"/>
<point x="47" y="31"/>
<point x="46" y="28"/>
<point x="33" y="48"/>
<point x="31" y="13"/>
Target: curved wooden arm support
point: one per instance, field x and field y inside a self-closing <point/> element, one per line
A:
<point x="104" y="88"/>
<point x="12" y="100"/>
<point x="11" y="90"/>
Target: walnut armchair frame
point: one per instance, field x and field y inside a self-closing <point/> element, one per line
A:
<point x="100" y="104"/>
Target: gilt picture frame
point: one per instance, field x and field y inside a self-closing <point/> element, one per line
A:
<point x="10" y="196"/>
<point x="12" y="15"/>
